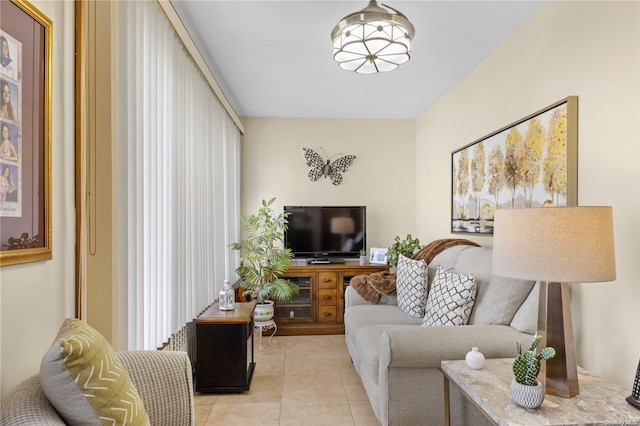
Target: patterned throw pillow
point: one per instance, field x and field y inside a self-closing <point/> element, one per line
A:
<point x="411" y="286"/>
<point x="86" y="382"/>
<point x="451" y="299"/>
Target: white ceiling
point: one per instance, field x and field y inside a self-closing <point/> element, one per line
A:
<point x="274" y="58"/>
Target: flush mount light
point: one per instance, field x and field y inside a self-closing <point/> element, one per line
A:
<point x="372" y="40"/>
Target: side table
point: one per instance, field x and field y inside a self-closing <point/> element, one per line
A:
<point x="224" y="353"/>
<point x="262" y="326"/>
<point x="599" y="402"/>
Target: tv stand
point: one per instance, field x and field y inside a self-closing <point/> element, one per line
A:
<point x="319" y="306"/>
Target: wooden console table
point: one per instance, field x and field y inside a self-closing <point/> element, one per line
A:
<point x="319" y="307"/>
<point x="224" y="353"/>
<point x="599" y="403"/>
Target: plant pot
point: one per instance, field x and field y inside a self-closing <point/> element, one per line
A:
<point x="363" y="260"/>
<point x="264" y="311"/>
<point x="527" y="396"/>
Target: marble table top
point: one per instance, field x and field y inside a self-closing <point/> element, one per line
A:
<point x="599" y="402"/>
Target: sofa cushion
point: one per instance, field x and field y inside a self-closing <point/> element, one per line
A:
<point x="411" y="286"/>
<point x="497" y="298"/>
<point x="450" y="300"/>
<point x="526" y="319"/>
<point x="85" y="381"/>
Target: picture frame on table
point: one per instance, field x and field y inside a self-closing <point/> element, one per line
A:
<point x="25" y="139"/>
<point x="378" y="256"/>
<point x="530" y="163"/>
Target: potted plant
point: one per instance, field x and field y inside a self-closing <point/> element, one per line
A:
<point x="406" y="247"/>
<point x="264" y="260"/>
<point x="363" y="257"/>
<point x="526" y="389"/>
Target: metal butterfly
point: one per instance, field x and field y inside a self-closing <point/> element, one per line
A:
<point x="321" y="168"/>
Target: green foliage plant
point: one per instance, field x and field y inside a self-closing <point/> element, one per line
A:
<point x="527" y="365"/>
<point x="406" y="247"/>
<point x="263" y="260"/>
<point x="363" y="252"/>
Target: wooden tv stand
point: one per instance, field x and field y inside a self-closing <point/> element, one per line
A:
<point x="319" y="307"/>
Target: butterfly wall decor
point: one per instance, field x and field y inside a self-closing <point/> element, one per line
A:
<point x="320" y="167"/>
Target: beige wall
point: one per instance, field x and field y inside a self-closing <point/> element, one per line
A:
<point x="588" y="49"/>
<point x="36" y="297"/>
<point x="382" y="176"/>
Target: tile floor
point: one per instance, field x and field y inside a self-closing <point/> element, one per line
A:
<point x="301" y="380"/>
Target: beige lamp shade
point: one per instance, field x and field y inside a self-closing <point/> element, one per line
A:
<point x="342" y="225"/>
<point x="555" y="244"/>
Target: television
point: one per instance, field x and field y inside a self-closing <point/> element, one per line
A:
<point x="326" y="234"/>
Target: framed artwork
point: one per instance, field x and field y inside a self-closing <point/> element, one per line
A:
<point x="378" y="256"/>
<point x="529" y="163"/>
<point x="25" y="133"/>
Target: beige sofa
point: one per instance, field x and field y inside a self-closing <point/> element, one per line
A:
<point x="399" y="361"/>
<point x="163" y="380"/>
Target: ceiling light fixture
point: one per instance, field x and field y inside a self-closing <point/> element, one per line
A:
<point x="372" y="40"/>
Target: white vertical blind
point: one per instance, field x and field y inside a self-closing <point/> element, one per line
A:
<point x="178" y="183"/>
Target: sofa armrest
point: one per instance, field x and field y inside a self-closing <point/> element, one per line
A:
<point x="28" y="405"/>
<point x="164" y="382"/>
<point x="426" y="347"/>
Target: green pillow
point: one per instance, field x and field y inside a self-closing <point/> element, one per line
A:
<point x="85" y="381"/>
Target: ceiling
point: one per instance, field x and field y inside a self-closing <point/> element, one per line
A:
<point x="274" y="58"/>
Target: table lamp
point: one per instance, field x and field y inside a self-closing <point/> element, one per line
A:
<point x="556" y="246"/>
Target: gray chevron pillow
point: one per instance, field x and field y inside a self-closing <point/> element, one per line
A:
<point x="451" y="299"/>
<point x="85" y="381"/>
<point x="411" y="286"/>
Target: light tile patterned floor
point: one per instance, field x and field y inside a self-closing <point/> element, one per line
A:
<point x="301" y="380"/>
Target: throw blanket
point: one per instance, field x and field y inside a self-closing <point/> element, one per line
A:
<point x="371" y="287"/>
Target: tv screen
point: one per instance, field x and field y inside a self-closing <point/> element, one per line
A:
<point x="326" y="232"/>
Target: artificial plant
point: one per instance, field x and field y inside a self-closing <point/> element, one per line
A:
<point x="263" y="259"/>
<point x="407" y="247"/>
<point x="527" y="365"/>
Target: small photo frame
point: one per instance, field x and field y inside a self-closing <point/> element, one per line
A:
<point x="378" y="256"/>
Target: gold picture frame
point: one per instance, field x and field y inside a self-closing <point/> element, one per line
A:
<point x="530" y="163"/>
<point x="25" y="144"/>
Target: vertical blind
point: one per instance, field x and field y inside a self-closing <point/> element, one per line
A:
<point x="178" y="182"/>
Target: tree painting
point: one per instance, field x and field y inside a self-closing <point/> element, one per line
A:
<point x="524" y="165"/>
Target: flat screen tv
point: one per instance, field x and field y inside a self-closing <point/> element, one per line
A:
<point x="326" y="233"/>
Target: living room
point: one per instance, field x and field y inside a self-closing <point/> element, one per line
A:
<point x="402" y="170"/>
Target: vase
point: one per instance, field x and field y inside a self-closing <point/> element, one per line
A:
<point x="527" y="396"/>
<point x="474" y="359"/>
<point x="264" y="311"/>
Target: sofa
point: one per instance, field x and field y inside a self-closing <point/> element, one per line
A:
<point x="163" y="380"/>
<point x="399" y="360"/>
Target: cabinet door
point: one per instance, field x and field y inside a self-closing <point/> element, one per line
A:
<point x="299" y="308"/>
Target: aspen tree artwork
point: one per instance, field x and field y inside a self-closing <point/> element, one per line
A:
<point x="528" y="164"/>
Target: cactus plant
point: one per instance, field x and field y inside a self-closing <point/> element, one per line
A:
<point x="527" y="365"/>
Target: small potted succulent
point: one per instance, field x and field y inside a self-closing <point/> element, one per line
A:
<point x="406" y="247"/>
<point x="526" y="389"/>
<point x="363" y="257"/>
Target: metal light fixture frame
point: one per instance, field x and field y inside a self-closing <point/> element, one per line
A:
<point x="373" y="13"/>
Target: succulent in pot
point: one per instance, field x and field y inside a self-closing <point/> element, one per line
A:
<point x="526" y="389"/>
<point x="263" y="259"/>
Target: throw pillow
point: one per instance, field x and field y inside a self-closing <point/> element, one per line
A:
<point x="85" y="381"/>
<point x="411" y="286"/>
<point x="526" y="319"/>
<point x="451" y="299"/>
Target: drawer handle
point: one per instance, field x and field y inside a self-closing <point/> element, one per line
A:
<point x="327" y="314"/>
<point x="326" y="297"/>
<point x="327" y="280"/>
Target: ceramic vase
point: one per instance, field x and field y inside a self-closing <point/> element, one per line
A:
<point x="474" y="359"/>
<point x="527" y="396"/>
<point x="264" y="311"/>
